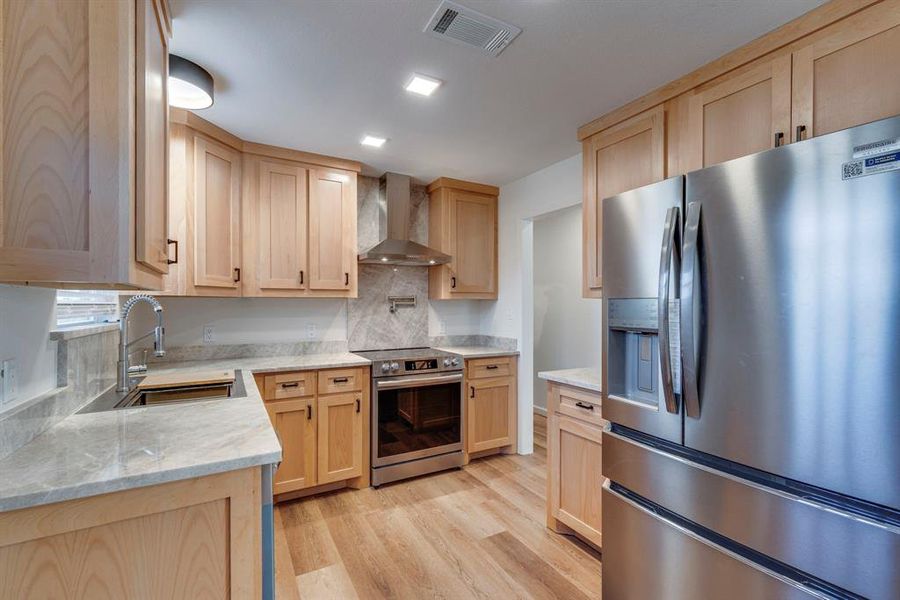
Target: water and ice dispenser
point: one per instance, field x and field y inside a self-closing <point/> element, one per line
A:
<point x="633" y="350"/>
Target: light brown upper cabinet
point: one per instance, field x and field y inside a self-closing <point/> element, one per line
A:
<point x="463" y="223"/>
<point x="742" y="114"/>
<point x="152" y="131"/>
<point x="217" y="216"/>
<point x="276" y="226"/>
<point x="850" y="77"/>
<point x="332" y="230"/>
<point x="69" y="214"/>
<point x="618" y="159"/>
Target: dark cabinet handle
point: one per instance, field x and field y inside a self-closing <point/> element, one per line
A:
<point x="357" y="405"/>
<point x="452" y="282"/>
<point x="301" y="277"/>
<point x="346" y="278"/>
<point x="237" y="274"/>
<point x="472" y="391"/>
<point x="290" y="385"/>
<point x="801" y="129"/>
<point x="583" y="405"/>
<point x="169" y="260"/>
<point x="491" y="367"/>
<point x="309" y="412"/>
<point x="341" y="379"/>
<point x="779" y="139"/>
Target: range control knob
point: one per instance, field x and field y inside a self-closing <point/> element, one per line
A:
<point x="385" y="367"/>
<point x="448" y="362"/>
<point x="395" y="366"/>
<point x="454" y="362"/>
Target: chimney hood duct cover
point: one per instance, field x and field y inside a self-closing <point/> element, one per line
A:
<point x="395" y="247"/>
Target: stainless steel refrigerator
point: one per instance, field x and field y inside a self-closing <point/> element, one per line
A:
<point x="751" y="376"/>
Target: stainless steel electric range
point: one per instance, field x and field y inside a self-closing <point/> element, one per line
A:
<point x="417" y="412"/>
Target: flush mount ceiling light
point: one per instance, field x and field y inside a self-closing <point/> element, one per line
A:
<point x="190" y="85"/>
<point x="373" y="141"/>
<point x="422" y="85"/>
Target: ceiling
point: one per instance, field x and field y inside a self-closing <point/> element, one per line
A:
<point x="316" y="74"/>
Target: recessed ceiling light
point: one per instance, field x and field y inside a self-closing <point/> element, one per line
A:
<point x="373" y="140"/>
<point x="422" y="85"/>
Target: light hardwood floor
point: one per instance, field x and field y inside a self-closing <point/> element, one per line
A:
<point x="478" y="532"/>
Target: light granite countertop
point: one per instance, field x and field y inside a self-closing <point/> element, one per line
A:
<point x="96" y="453"/>
<point x="477" y="351"/>
<point x="588" y="379"/>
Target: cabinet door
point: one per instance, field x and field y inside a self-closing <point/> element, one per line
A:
<point x="491" y="414"/>
<point x="340" y="437"/>
<point x="152" y="135"/>
<point x="217" y="218"/>
<point x="295" y="426"/>
<point x="473" y="243"/>
<point x="574" y="453"/>
<point x="851" y="77"/>
<point x="282" y="227"/>
<point x="332" y="231"/>
<point x="743" y="114"/>
<point x="616" y="160"/>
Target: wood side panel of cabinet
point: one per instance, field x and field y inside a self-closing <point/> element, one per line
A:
<point x="67" y="145"/>
<point x="850" y="77"/>
<point x="332" y="231"/>
<point x="152" y="135"/>
<point x="216" y="216"/>
<point x="743" y="114"/>
<point x="624" y="157"/>
<point x="340" y="437"/>
<point x="295" y="424"/>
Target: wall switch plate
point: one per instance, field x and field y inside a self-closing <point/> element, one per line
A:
<point x="312" y="331"/>
<point x="10" y="371"/>
<point x="209" y="334"/>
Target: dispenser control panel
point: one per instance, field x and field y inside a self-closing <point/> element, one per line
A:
<point x="633" y="313"/>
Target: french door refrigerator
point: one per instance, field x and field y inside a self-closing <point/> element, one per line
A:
<point x="751" y="376"/>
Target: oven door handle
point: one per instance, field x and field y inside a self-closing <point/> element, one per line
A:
<point x="417" y="381"/>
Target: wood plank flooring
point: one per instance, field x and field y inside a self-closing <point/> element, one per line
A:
<point x="478" y="532"/>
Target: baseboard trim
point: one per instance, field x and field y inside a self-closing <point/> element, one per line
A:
<point x="540" y="410"/>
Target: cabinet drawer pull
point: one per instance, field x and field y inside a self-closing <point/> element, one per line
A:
<point x="472" y="391"/>
<point x="340" y="379"/>
<point x="779" y="139"/>
<point x="801" y="129"/>
<point x="301" y="277"/>
<point x="357" y="405"/>
<point x="309" y="412"/>
<point x="452" y="282"/>
<point x="237" y="274"/>
<point x="169" y="260"/>
<point x="492" y="367"/>
<point x="291" y="385"/>
<point x="584" y="405"/>
<point x="346" y="278"/>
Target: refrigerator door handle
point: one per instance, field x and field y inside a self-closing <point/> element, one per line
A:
<point x="689" y="264"/>
<point x="665" y="276"/>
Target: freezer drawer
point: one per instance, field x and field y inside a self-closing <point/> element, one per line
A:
<point x="647" y="557"/>
<point x="850" y="551"/>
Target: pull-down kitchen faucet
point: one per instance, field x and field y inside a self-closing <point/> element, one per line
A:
<point x="124" y="370"/>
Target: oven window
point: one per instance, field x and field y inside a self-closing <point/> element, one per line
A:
<point x="421" y="418"/>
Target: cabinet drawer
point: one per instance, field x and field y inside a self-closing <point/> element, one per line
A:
<point x="281" y="386"/>
<point x="497" y="366"/>
<point x="576" y="403"/>
<point x="336" y="381"/>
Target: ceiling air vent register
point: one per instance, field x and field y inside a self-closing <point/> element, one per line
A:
<point x="462" y="25"/>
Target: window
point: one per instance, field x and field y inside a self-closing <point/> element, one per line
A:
<point x="83" y="307"/>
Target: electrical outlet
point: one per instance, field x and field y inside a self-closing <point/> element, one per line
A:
<point x="312" y="331"/>
<point x="209" y="334"/>
<point x="10" y="370"/>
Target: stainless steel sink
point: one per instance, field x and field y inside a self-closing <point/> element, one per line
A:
<point x="114" y="400"/>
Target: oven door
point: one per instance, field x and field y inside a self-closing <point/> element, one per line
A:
<point x="416" y="416"/>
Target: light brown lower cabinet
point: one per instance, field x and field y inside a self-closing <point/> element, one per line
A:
<point x="196" y="538"/>
<point x="574" y="458"/>
<point x="322" y="421"/>
<point x="491" y="404"/>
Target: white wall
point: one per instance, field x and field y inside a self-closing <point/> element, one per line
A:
<point x="552" y="188"/>
<point x="566" y="326"/>
<point x="27" y="315"/>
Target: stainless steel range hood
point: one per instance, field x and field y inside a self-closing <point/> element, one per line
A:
<point x="395" y="247"/>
